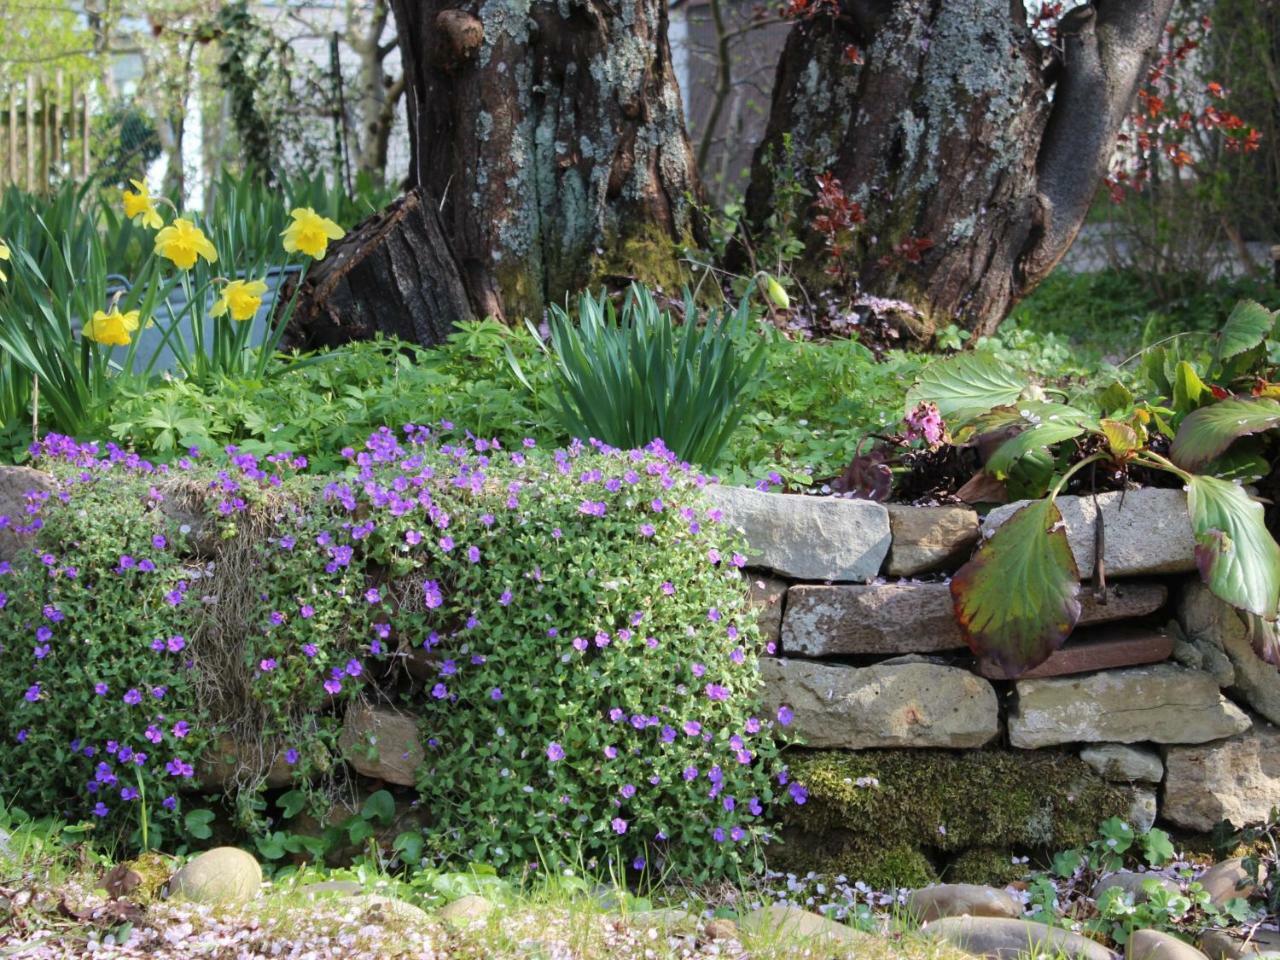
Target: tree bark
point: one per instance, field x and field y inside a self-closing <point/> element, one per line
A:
<point x="394" y="274"/>
<point x="960" y="137"/>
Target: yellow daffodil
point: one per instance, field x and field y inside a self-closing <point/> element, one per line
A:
<point x="182" y="241"/>
<point x="112" y="329"/>
<point x="4" y="255"/>
<point x="240" y="298"/>
<point x="310" y="233"/>
<point x="140" y="208"/>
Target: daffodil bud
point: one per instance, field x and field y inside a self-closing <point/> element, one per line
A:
<point x="776" y="292"/>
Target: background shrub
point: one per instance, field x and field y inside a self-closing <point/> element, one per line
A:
<point x="594" y="691"/>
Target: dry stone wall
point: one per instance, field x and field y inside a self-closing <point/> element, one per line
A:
<point x="1158" y="690"/>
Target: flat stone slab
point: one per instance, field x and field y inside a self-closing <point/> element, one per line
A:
<point x="912" y="704"/>
<point x="1104" y="649"/>
<point x="1233" y="945"/>
<point x="1147" y="530"/>
<point x="893" y="618"/>
<point x="1236" y="779"/>
<point x="1007" y="939"/>
<point x="1157" y="945"/>
<point x="1163" y="703"/>
<point x="1134" y="884"/>
<point x="793" y="923"/>
<point x="926" y="539"/>
<point x="1121" y="763"/>
<point x="961" y="900"/>
<point x="1229" y="879"/>
<point x="1208" y="620"/>
<point x="383" y="744"/>
<point x="807" y="538"/>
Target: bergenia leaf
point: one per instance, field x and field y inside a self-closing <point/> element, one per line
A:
<point x="1265" y="637"/>
<point x="1122" y="438"/>
<point x="966" y="382"/>
<point x="1036" y="437"/>
<point x="1206" y="433"/>
<point x="1017" y="600"/>
<point x="1248" y="325"/>
<point x="1238" y="559"/>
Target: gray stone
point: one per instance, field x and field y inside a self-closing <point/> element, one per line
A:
<point x="222" y="875"/>
<point x="824" y="621"/>
<point x="226" y="760"/>
<point x="793" y="923"/>
<point x="768" y="595"/>
<point x="1006" y="939"/>
<point x="1157" y="945"/>
<point x="926" y="539"/>
<point x="721" y="928"/>
<point x="1236" y="779"/>
<point x="465" y="911"/>
<point x="1121" y="763"/>
<point x="15" y="485"/>
<point x="1229" y="879"/>
<point x="960" y="900"/>
<point x="1143" y="808"/>
<point x="1162" y="703"/>
<point x="807" y="538"/>
<point x="1209" y="620"/>
<point x="387" y="910"/>
<point x="1236" y="945"/>
<point x="886" y="705"/>
<point x="1133" y="884"/>
<point x="1201" y="654"/>
<point x="1147" y="530"/>
<point x="381" y="743"/>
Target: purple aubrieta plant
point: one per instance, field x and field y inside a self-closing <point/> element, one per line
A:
<point x="566" y="599"/>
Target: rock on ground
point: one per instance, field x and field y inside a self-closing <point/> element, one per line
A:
<point x="1229" y="879"/>
<point x="1134" y="884"/>
<point x="794" y="923"/>
<point x="807" y="538"/>
<point x="1156" y="945"/>
<point x="223" y="875"/>
<point x="1121" y="763"/>
<point x="886" y="705"/>
<point x="1236" y="779"/>
<point x="1147" y="530"/>
<point x="961" y="899"/>
<point x="383" y="744"/>
<point x="1007" y="939"/>
<point x="1162" y="703"/>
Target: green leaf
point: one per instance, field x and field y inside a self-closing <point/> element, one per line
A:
<point x="1038" y="437"/>
<point x="197" y="823"/>
<point x="1016" y="600"/>
<point x="380" y="805"/>
<point x="1206" y="433"/>
<point x="292" y="802"/>
<point x="1066" y="862"/>
<point x="966" y="382"/>
<point x="1115" y="398"/>
<point x="409" y="845"/>
<point x="1189" y="391"/>
<point x="1246" y="327"/>
<point x="1157" y="849"/>
<point x="1238" y="559"/>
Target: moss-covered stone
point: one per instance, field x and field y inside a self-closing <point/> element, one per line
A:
<point x="953" y="801"/>
<point x="868" y="810"/>
<point x="985" y="865"/>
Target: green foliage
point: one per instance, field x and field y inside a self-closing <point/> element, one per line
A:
<point x="630" y="376"/>
<point x="1189" y="403"/>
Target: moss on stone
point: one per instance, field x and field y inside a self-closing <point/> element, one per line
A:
<point x="881" y="869"/>
<point x="985" y="865"/>
<point x="953" y="801"/>
<point x="648" y="254"/>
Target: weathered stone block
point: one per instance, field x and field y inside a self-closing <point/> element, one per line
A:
<point x="887" y="705"/>
<point x="1208" y="620"/>
<point x="1236" y="779"/>
<point x="1163" y="703"/>
<point x="843" y="619"/>
<point x="1147" y="530"/>
<point x="1104" y="649"/>
<point x="382" y="744"/>
<point x="807" y="538"/>
<point x="768" y="594"/>
<point x="1121" y="763"/>
<point x="926" y="539"/>
<point x="16" y="483"/>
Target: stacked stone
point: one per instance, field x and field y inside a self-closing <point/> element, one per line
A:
<point x="1158" y="689"/>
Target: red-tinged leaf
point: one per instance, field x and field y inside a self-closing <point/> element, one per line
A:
<point x="1238" y="559"/>
<point x="1017" y="600"/>
<point x="1206" y="433"/>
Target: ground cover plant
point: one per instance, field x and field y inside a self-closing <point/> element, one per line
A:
<point x="590" y="686"/>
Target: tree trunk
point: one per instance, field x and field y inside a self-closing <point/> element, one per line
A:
<point x="973" y="154"/>
<point x="394" y="274"/>
<point x="555" y="134"/>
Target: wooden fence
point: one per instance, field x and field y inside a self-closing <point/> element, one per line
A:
<point x="44" y="132"/>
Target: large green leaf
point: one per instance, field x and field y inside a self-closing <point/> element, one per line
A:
<point x="1039" y="436"/>
<point x="1016" y="600"/>
<point x="1206" y="433"/>
<point x="1024" y="413"/>
<point x="1189" y="391"/>
<point x="1238" y="559"/>
<point x="1248" y="325"/>
<point x="966" y="382"/>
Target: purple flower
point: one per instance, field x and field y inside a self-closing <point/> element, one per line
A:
<point x="647" y="530"/>
<point x="170" y="802"/>
<point x="100" y="809"/>
<point x="555" y="752"/>
<point x="267" y="665"/>
<point x="291" y="756"/>
<point x="611" y="752"/>
<point x="181" y="729"/>
<point x="307" y="611"/>
<point x="619" y="825"/>
<point x="717" y="835"/>
<point x="132" y="696"/>
<point x="158" y="541"/>
<point x="353" y="668"/>
<point x="175" y="643"/>
<point x="692" y="728"/>
<point x="715" y="691"/>
<point x="332" y="686"/>
<point x="785" y="715"/>
<point x="439" y="691"/>
<point x="495" y="694"/>
<point x="628" y="790"/>
<point x="431" y="594"/>
<point x="473" y="554"/>
<point x="505" y="599"/>
<point x="309" y="649"/>
<point x="446" y="543"/>
<point x="372" y="595"/>
<point x="798" y="793"/>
